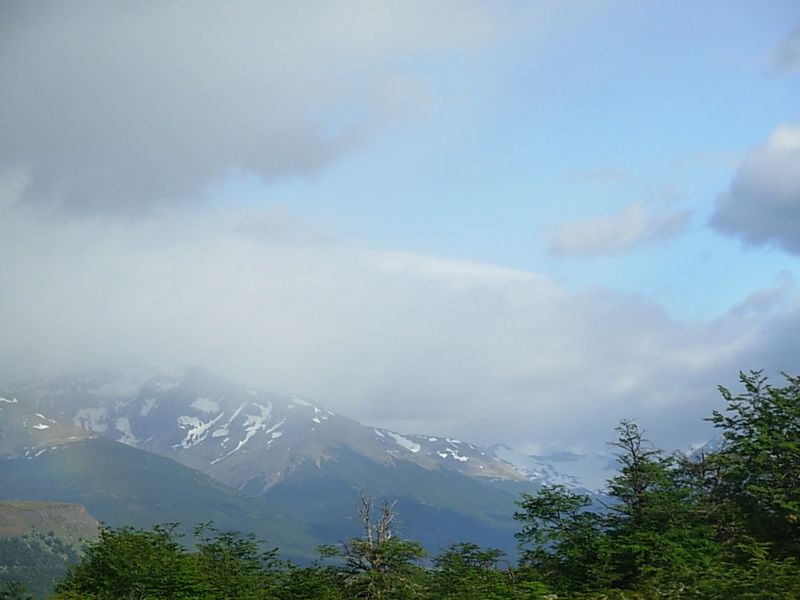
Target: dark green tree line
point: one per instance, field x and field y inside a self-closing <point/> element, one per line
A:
<point x="717" y="525"/>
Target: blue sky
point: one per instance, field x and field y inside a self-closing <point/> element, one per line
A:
<point x="511" y="222"/>
<point x="646" y="103"/>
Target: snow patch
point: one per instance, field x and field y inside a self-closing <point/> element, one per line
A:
<point x="205" y="405"/>
<point x="123" y="425"/>
<point x="196" y="430"/>
<point x="162" y="385"/>
<point x="405" y="442"/>
<point x="452" y="453"/>
<point x="147" y="406"/>
<point x="91" y="419"/>
<point x="254" y="423"/>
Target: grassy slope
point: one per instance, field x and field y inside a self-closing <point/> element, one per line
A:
<point x="120" y="485"/>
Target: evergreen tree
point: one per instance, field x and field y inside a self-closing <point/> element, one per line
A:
<point x="660" y="539"/>
<point x="760" y="460"/>
<point x="562" y="541"/>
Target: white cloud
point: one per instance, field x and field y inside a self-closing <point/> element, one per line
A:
<point x="130" y="106"/>
<point x="417" y="344"/>
<point x="616" y="234"/>
<point x="762" y="205"/>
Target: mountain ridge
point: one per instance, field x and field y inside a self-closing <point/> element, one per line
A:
<point x="295" y="459"/>
<point x="215" y="426"/>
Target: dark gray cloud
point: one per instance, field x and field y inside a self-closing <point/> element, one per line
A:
<point x="126" y="105"/>
<point x="762" y="205"/>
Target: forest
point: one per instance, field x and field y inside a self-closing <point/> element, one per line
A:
<point x="723" y="524"/>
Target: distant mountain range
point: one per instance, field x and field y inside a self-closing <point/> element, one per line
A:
<point x="586" y="473"/>
<point x="163" y="445"/>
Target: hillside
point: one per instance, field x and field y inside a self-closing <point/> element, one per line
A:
<point x="38" y="540"/>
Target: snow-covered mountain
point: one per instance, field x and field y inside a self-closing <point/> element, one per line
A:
<point x="280" y="449"/>
<point x="247" y="438"/>
<point x="46" y="459"/>
<point x="586" y="473"/>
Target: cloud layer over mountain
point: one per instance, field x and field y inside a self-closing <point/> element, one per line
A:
<point x="375" y="204"/>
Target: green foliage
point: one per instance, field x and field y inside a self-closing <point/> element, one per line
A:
<point x="130" y="563"/>
<point x="562" y="540"/>
<point x="230" y="566"/>
<point x="303" y="583"/>
<point x="35" y="560"/>
<point x="468" y="572"/>
<point x="763" y="576"/>
<point x="134" y="563"/>
<point x="658" y="536"/>
<point x="760" y="459"/>
<point x="14" y="590"/>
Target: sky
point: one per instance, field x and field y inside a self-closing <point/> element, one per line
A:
<point x="504" y="222"/>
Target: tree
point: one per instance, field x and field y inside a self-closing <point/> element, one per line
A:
<point x="660" y="537"/>
<point x="232" y="566"/>
<point x="313" y="581"/>
<point x="133" y="564"/>
<point x="379" y="565"/>
<point x="760" y="459"/>
<point x="561" y="539"/>
<point x="14" y="590"/>
<point x="468" y="572"/>
<point x="654" y="537"/>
